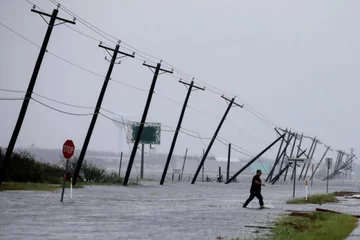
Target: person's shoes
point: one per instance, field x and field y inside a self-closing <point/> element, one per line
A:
<point x="261" y="207"/>
<point x="244" y="206"/>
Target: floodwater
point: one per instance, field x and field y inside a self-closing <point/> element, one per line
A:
<point x="176" y="210"/>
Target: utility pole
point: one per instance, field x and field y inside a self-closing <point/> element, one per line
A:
<point x="276" y="159"/>
<point x="288" y="141"/>
<point x="277" y="177"/>
<point x="183" y="166"/>
<point x="228" y="163"/>
<point x="191" y="86"/>
<point x="231" y="102"/>
<point x="297" y="155"/>
<point x="312" y="174"/>
<point x="310" y="152"/>
<point x="121" y="156"/>
<point x="98" y="105"/>
<point x="203" y="168"/>
<point x="15" y="134"/>
<point x="291" y="154"/>
<point x="351" y="168"/>
<point x="142" y="161"/>
<point x="143" y="118"/>
<point x="255" y="158"/>
<point x="312" y="156"/>
<point x="327" y="149"/>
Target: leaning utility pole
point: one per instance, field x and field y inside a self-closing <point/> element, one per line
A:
<point x="231" y="102"/>
<point x="291" y="155"/>
<point x="255" y="158"/>
<point x="98" y="105"/>
<point x="143" y="119"/>
<point x="313" y="173"/>
<point x="310" y="152"/>
<point x="228" y="163"/>
<point x="277" y="177"/>
<point x="31" y="86"/>
<point x="312" y="156"/>
<point x="191" y="86"/>
<point x="351" y="168"/>
<point x="278" y="156"/>
<point x="297" y="154"/>
<point x="287" y="142"/>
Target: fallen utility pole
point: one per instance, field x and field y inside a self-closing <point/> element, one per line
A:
<point x="190" y="88"/>
<point x="291" y="154"/>
<point x="317" y="166"/>
<point x="29" y="91"/>
<point x="288" y="141"/>
<point x="276" y="159"/>
<point x="312" y="156"/>
<point x="143" y="119"/>
<point x="336" y="172"/>
<point x="230" y="103"/>
<point x="255" y="158"/>
<point x="297" y="154"/>
<point x="339" y="160"/>
<point x="277" y="177"/>
<point x="304" y="165"/>
<point x="98" y="105"/>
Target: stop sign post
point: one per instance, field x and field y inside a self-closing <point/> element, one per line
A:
<point x="68" y="152"/>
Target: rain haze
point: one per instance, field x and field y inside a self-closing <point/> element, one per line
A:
<point x="291" y="67"/>
<point x="293" y="64"/>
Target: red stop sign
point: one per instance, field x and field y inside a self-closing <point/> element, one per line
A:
<point x="68" y="149"/>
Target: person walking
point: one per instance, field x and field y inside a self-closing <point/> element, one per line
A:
<point x="255" y="190"/>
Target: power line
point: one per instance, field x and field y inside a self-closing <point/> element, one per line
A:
<point x="123" y="122"/>
<point x="250" y="109"/>
<point x="241" y="130"/>
<point x="129" y="86"/>
<point x="33" y="4"/>
<point x="87" y="24"/>
<point x="63" y="103"/>
<point x="102" y="33"/>
<point x="10" y="90"/>
<point x="76" y="65"/>
<point x="257" y="114"/>
<point x="236" y="150"/>
<point x="19" y="35"/>
<point x="61" y="111"/>
<point x="84" y="107"/>
<point x="167" y="98"/>
<point x="232" y="144"/>
<point x="11" y="99"/>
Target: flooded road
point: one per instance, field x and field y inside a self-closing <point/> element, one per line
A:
<point x="176" y="210"/>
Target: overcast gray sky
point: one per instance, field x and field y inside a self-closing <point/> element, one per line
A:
<point x="295" y="62"/>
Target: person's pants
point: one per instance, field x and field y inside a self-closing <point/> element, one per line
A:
<point x="254" y="194"/>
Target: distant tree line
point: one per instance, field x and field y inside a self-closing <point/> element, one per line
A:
<point x="23" y="167"/>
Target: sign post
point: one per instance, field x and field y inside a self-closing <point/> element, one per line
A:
<point x="68" y="152"/>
